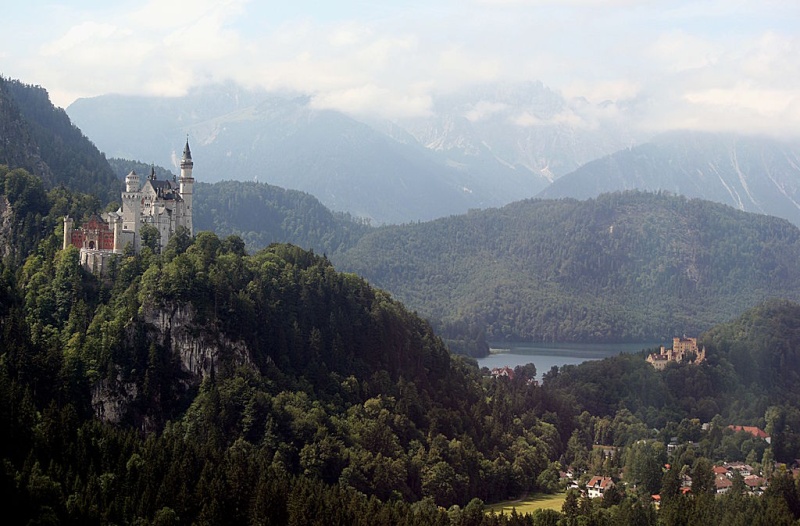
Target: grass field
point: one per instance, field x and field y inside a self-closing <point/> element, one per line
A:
<point x="529" y="504"/>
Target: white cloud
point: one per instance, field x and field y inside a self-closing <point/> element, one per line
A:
<point x="604" y="90"/>
<point x="665" y="63"/>
<point x="158" y="16"/>
<point x="457" y="66"/>
<point x="767" y="102"/>
<point x="604" y="4"/>
<point x="679" y="51"/>
<point x="567" y="117"/>
<point x="484" y="109"/>
<point x="349" y="35"/>
<point x="374" y="100"/>
<point x="79" y="37"/>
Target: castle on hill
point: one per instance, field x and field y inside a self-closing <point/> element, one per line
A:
<point x="682" y="349"/>
<point x="165" y="205"/>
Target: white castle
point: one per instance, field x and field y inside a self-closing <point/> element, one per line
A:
<point x="166" y="205"/>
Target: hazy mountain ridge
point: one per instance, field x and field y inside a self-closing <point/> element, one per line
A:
<point x="281" y="140"/>
<point x="521" y="125"/>
<point x="472" y="153"/>
<point x="754" y="174"/>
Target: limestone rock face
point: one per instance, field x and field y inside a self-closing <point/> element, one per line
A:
<point x="112" y="398"/>
<point x="198" y="350"/>
<point x="201" y="350"/>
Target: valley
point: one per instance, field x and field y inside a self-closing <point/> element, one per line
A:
<point x="546" y="356"/>
<point x="287" y="364"/>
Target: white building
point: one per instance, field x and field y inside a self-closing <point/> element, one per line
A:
<point x="166" y="205"/>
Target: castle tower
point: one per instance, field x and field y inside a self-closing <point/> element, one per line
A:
<point x="68" y="227"/>
<point x="186" y="187"/>
<point x="116" y="225"/>
<point x="132" y="182"/>
<point x="131" y="209"/>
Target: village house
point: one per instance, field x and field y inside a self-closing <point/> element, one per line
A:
<point x="753" y="430"/>
<point x="597" y="486"/>
<point x="723" y="478"/>
<point x="720" y="470"/>
<point x="744" y="470"/>
<point x="755" y="484"/>
<point x="722" y="484"/>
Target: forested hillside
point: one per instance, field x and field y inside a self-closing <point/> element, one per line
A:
<point x="18" y="147"/>
<point x="272" y="370"/>
<point x="626" y="266"/>
<point x="40" y="138"/>
<point x="30" y="214"/>
<point x="750" y="376"/>
<point x="206" y="385"/>
<point x="209" y="385"/>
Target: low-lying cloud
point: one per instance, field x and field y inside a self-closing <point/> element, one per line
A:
<point x="705" y="65"/>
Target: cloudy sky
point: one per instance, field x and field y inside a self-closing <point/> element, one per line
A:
<point x="709" y="64"/>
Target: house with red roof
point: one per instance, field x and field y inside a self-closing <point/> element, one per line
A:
<point x="722" y="484"/>
<point x="753" y="430"/>
<point x="597" y="486"/>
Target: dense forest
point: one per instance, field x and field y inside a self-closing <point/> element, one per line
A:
<point x="623" y="267"/>
<point x="205" y="385"/>
<point x="304" y="371"/>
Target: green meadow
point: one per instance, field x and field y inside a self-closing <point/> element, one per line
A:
<point x="529" y="504"/>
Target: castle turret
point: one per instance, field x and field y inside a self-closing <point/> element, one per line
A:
<point x="116" y="225"/>
<point x="132" y="182"/>
<point x="68" y="227"/>
<point x="186" y="188"/>
<point x="131" y="210"/>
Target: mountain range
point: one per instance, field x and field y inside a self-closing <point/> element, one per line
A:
<point x="754" y="174"/>
<point x="481" y="148"/>
<point x="525" y="125"/>
<point x="477" y="150"/>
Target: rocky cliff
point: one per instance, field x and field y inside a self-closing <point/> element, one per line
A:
<point x="195" y="352"/>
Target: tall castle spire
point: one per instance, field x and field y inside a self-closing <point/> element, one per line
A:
<point x="186" y="182"/>
<point x="186" y="162"/>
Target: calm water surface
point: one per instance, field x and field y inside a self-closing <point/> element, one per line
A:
<point x="546" y="355"/>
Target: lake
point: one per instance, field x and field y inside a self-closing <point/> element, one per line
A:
<point x="546" y="355"/>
